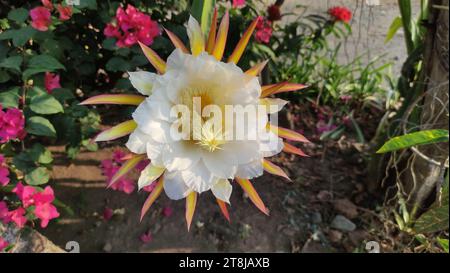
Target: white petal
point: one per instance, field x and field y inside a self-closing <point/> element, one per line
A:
<point x="222" y="163"/>
<point x="245" y="151"/>
<point x="270" y="144"/>
<point x="142" y="81"/>
<point x="198" y="178"/>
<point x="181" y="155"/>
<point x="250" y="170"/>
<point x="222" y="190"/>
<point x="174" y="186"/>
<point x="137" y="142"/>
<point x="273" y="105"/>
<point x="149" y="174"/>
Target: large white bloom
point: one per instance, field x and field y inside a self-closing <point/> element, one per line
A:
<point x="205" y="164"/>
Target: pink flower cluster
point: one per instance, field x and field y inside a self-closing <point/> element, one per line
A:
<point x="51" y="81"/>
<point x="41" y="17"/>
<point x="125" y="184"/>
<point x="132" y="26"/>
<point x="238" y="3"/>
<point x="4" y="172"/>
<point x="263" y="30"/>
<point x="12" y="124"/>
<point x="340" y="14"/>
<point x="30" y="196"/>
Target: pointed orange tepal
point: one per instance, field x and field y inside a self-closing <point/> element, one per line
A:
<point x="221" y="38"/>
<point x="118" y="131"/>
<point x="156" y="192"/>
<point x="288" y="148"/>
<point x="287" y="134"/>
<point x="158" y="63"/>
<point x="223" y="209"/>
<point x="212" y="34"/>
<point x="242" y="44"/>
<point x="191" y="201"/>
<point x="176" y="41"/>
<point x="126" y="99"/>
<point x="289" y="87"/>
<point x="247" y="186"/>
<point x="274" y="169"/>
<point x="273" y="89"/>
<point x="256" y="69"/>
<point x="126" y="168"/>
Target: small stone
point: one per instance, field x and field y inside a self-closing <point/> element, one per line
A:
<point x="107" y="247"/>
<point x="324" y="196"/>
<point x="341" y="223"/>
<point x="316" y="218"/>
<point x="346" y="207"/>
<point x="335" y="236"/>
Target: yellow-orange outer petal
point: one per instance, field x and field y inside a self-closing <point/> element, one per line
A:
<point x="257" y="68"/>
<point x="240" y="47"/>
<point x="288" y="148"/>
<point x="156" y="192"/>
<point x="158" y="63"/>
<point x="176" y="41"/>
<point x="274" y="169"/>
<point x="126" y="99"/>
<point x="247" y="186"/>
<point x="223" y="209"/>
<point x="191" y="201"/>
<point x="289" y="87"/>
<point x="274" y="88"/>
<point x="287" y="134"/>
<point x="126" y="168"/>
<point x="221" y="39"/>
<point x="212" y="34"/>
<point x="118" y="131"/>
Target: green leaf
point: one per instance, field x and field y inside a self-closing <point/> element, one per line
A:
<point x="116" y="64"/>
<point x="413" y="139"/>
<point x="396" y="24"/>
<point x="4" y="76"/>
<point x="435" y="219"/>
<point x="37" y="176"/>
<point x="13" y="62"/>
<point x="89" y="4"/>
<point x="443" y="243"/>
<point x="40" y="126"/>
<point x="18" y="15"/>
<point x="45" y="104"/>
<point x="38" y="153"/>
<point x="202" y="11"/>
<point x="41" y="63"/>
<point x="10" y="98"/>
<point x="21" y="36"/>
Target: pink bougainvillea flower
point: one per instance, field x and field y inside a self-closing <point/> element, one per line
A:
<point x="45" y="212"/>
<point x="167" y="211"/>
<point x="51" y="81"/>
<point x="131" y="27"/>
<point x="18" y="217"/>
<point x="4" y="172"/>
<point x="263" y="30"/>
<point x="47" y="4"/>
<point x="12" y="124"/>
<point x="41" y="18"/>
<point x="274" y="13"/>
<point x="4" y="213"/>
<point x="238" y="3"/>
<point x="146" y="237"/>
<point x="110" y="168"/>
<point x="3" y="244"/>
<point x="65" y="12"/>
<point x="26" y="194"/>
<point x="340" y="14"/>
<point x="108" y="213"/>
